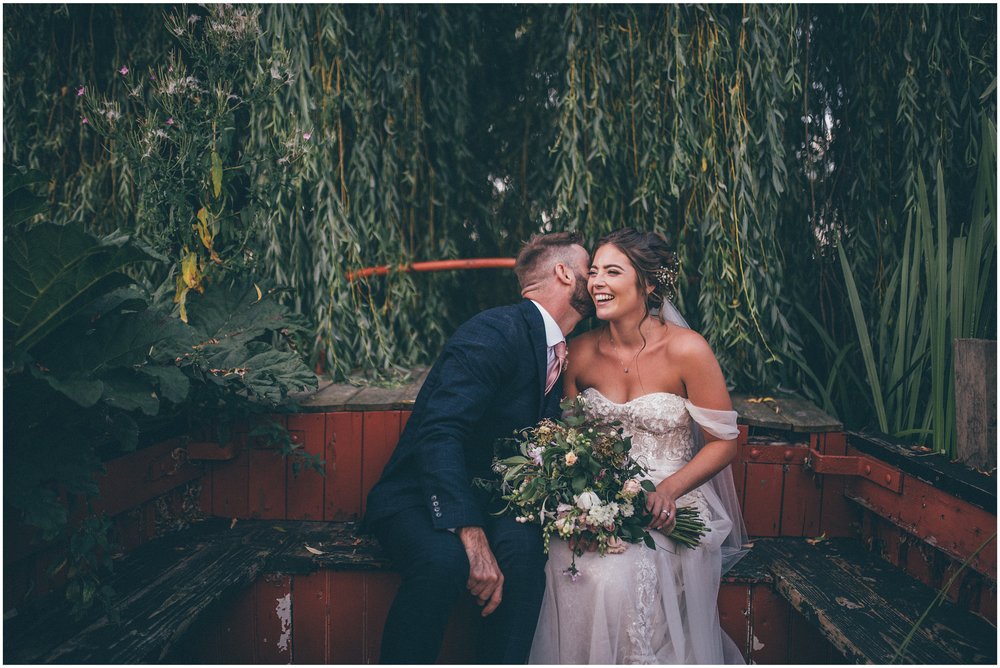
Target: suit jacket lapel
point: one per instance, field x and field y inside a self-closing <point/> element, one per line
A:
<point x="539" y="347"/>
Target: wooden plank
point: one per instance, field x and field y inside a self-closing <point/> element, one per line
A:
<point x="801" y="503"/>
<point x="379" y="399"/>
<point x="332" y="397"/>
<point x="268" y="489"/>
<point x="148" y="524"/>
<point x="346" y="621"/>
<point x="975" y="362"/>
<point x="836" y="515"/>
<point x="205" y="497"/>
<point x="274" y="620"/>
<point x="380" y="433"/>
<point x="163" y="587"/>
<point x="951" y="525"/>
<point x="866" y="607"/>
<point x="765" y="414"/>
<point x="310" y="618"/>
<point x="762" y="506"/>
<point x="306" y="489"/>
<point x="203" y="643"/>
<point x="380" y="590"/>
<point x="806" y="645"/>
<point x="933" y="468"/>
<point x="141" y="476"/>
<point x="890" y="538"/>
<point x="344" y="455"/>
<point x="806" y="417"/>
<point x="338" y="546"/>
<point x="237" y="638"/>
<point x="231" y="487"/>
<point x="988" y="602"/>
<point x="768" y="626"/>
<point x="734" y="614"/>
<point x="919" y="559"/>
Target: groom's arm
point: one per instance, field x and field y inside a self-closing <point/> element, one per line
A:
<point x="475" y="364"/>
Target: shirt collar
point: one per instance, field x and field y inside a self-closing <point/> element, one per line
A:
<point x="553" y="334"/>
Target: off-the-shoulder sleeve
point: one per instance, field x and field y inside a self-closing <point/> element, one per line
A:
<point x="721" y="424"/>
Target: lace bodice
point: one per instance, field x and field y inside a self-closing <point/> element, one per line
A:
<point x="659" y="424"/>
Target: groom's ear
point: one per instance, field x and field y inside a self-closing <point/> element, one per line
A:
<point x="563" y="273"/>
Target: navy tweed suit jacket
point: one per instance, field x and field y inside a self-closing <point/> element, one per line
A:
<point x="487" y="383"/>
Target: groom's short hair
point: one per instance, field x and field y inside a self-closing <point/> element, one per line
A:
<point x="542" y="252"/>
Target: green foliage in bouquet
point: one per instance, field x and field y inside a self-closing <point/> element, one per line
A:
<point x="578" y="480"/>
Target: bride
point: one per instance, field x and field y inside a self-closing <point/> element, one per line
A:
<point x="646" y="369"/>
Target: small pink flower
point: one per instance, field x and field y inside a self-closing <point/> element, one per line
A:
<point x="170" y="69"/>
<point x="84" y="121"/>
<point x="123" y="71"/>
<point x="81" y="90"/>
<point x="170" y="121"/>
<point x="152" y="77"/>
<point x="307" y="136"/>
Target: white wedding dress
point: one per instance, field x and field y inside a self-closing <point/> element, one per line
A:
<point x="645" y="605"/>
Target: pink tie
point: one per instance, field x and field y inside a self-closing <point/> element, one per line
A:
<point x="555" y="366"/>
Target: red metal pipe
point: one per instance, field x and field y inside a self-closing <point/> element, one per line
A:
<point x="436" y="265"/>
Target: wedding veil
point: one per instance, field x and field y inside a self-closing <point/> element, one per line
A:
<point x="721" y="424"/>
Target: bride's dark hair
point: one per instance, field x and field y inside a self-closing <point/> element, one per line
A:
<point x="655" y="264"/>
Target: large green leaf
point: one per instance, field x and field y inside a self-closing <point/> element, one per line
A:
<point x="19" y="202"/>
<point x="129" y="391"/>
<point x="272" y="374"/>
<point x="234" y="311"/>
<point x="173" y="384"/>
<point x="51" y="272"/>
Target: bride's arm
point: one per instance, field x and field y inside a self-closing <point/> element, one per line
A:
<point x="706" y="388"/>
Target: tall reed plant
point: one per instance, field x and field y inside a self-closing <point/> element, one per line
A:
<point x="943" y="288"/>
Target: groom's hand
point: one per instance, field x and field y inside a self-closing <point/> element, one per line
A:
<point x="485" y="579"/>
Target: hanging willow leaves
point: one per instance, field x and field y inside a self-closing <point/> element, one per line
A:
<point x="759" y="138"/>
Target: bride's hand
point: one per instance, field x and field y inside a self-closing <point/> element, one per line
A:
<point x="663" y="510"/>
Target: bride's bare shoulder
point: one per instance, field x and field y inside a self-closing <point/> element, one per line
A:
<point x="686" y="343"/>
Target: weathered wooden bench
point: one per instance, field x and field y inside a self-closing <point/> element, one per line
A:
<point x="867" y="608"/>
<point x="172" y="590"/>
<point x="288" y="581"/>
<point x="162" y="589"/>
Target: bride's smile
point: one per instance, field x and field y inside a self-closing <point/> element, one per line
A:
<point x="613" y="284"/>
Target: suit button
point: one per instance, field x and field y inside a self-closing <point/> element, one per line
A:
<point x="437" y="514"/>
<point x="434" y="498"/>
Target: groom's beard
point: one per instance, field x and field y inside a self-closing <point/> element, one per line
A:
<point x="581" y="301"/>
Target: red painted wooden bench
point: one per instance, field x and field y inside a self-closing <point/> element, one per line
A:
<point x="903" y="521"/>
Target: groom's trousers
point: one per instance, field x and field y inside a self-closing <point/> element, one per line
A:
<point x="435" y="572"/>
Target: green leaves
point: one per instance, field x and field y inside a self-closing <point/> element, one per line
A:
<point x="51" y="272"/>
<point x="940" y="290"/>
<point x="19" y="202"/>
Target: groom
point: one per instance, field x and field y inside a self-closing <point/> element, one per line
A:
<point x="498" y="373"/>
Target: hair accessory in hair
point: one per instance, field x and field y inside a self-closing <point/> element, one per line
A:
<point x="666" y="276"/>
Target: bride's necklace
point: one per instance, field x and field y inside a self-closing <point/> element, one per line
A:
<point x="618" y="356"/>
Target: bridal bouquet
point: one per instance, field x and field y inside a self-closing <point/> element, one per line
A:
<point x="577" y="479"/>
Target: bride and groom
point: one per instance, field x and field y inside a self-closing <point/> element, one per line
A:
<point x="507" y="368"/>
